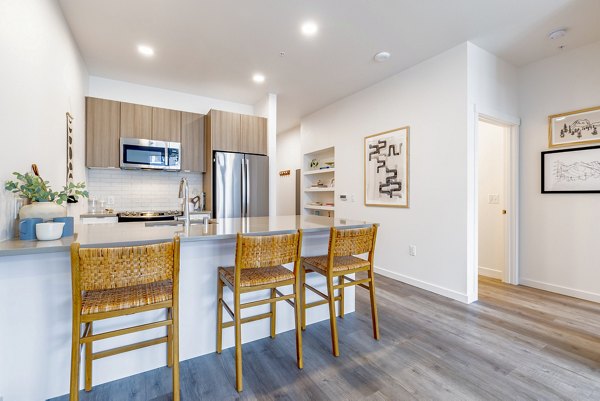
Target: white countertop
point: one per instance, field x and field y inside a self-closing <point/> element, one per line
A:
<point x="137" y="233"/>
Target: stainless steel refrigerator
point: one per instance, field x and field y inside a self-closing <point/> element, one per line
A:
<point x="240" y="185"/>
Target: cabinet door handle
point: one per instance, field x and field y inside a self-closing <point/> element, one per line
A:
<point x="503" y="211"/>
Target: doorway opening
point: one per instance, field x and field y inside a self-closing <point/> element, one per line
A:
<point x="491" y="199"/>
<point x="497" y="194"/>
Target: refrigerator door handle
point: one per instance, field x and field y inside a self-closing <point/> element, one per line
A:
<point x="247" y="179"/>
<point x="243" y="189"/>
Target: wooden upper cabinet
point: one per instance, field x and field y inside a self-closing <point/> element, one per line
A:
<point x="225" y="129"/>
<point x="254" y="134"/>
<point x="166" y="125"/>
<point x="136" y="121"/>
<point x="102" y="126"/>
<point x="192" y="142"/>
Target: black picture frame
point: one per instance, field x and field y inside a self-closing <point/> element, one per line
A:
<point x="543" y="171"/>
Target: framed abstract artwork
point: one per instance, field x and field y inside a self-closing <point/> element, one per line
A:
<point x="578" y="127"/>
<point x="571" y="170"/>
<point x="386" y="172"/>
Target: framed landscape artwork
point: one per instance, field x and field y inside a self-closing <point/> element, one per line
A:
<point x="574" y="128"/>
<point x="386" y="168"/>
<point x="571" y="170"/>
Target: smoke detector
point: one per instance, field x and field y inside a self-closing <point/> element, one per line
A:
<point x="559" y="33"/>
<point x="382" y="56"/>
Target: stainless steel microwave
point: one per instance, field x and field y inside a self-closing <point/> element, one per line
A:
<point x="149" y="154"/>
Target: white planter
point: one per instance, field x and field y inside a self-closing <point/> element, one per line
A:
<point x="43" y="210"/>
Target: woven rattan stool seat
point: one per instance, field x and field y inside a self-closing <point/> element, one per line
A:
<point x="126" y="297"/>
<point x="262" y="276"/>
<point x="340" y="263"/>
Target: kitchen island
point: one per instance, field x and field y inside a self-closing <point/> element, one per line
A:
<point x="35" y="299"/>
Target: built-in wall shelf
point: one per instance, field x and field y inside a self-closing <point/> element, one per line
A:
<point x="317" y="207"/>
<point x="318" y="183"/>
<point x="320" y="171"/>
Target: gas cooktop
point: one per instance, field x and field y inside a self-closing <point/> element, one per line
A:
<point x="148" y="215"/>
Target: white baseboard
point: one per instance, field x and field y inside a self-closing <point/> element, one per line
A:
<point x="457" y="296"/>
<point x="489" y="272"/>
<point x="572" y="292"/>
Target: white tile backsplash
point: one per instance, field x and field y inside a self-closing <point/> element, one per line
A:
<point x="141" y="190"/>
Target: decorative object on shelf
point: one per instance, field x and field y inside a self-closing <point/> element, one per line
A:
<point x="571" y="170"/>
<point x="69" y="228"/>
<point x="70" y="198"/>
<point x="46" y="203"/>
<point x="332" y="183"/>
<point x="27" y="228"/>
<point x="386" y="168"/>
<point x="330" y="164"/>
<point x="283" y="173"/>
<point x="318" y="184"/>
<point x="574" y="127"/>
<point x="49" y="231"/>
<point x="314" y="163"/>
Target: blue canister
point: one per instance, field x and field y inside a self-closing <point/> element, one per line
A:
<point x="69" y="227"/>
<point x="27" y="228"/>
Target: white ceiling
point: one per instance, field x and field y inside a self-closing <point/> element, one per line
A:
<point x="212" y="48"/>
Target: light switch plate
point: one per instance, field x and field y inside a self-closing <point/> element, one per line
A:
<point x="493" y="199"/>
<point x="412" y="250"/>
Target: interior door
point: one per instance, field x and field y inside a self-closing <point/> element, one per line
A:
<point x="257" y="179"/>
<point x="228" y="184"/>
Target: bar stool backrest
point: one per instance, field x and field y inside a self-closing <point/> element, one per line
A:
<point x="353" y="241"/>
<point x="106" y="268"/>
<point x="254" y="251"/>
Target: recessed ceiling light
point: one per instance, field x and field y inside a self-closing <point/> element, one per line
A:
<point x="382" y="56"/>
<point x="557" y="34"/>
<point x="146" y="50"/>
<point x="309" y="28"/>
<point x="258" y="78"/>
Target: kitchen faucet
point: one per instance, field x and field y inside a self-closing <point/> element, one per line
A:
<point x="184" y="193"/>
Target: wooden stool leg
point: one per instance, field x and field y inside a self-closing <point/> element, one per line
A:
<point x="341" y="304"/>
<point x="238" y="342"/>
<point x="170" y="339"/>
<point x="88" y="361"/>
<point x="298" y="307"/>
<point x="175" y="347"/>
<point x="303" y="297"/>
<point x="273" y="313"/>
<point x="75" y="358"/>
<point x="219" y="314"/>
<point x="332" y="316"/>
<point x="373" y="305"/>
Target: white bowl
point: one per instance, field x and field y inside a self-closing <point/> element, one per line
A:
<point x="48" y="231"/>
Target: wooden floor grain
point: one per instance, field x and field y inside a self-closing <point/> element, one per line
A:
<point x="515" y="343"/>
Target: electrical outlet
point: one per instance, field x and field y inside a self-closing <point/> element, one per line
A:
<point x="412" y="250"/>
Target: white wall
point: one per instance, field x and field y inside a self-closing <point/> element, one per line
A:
<point x="491" y="182"/>
<point x="431" y="98"/>
<point x="267" y="107"/>
<point x="289" y="157"/>
<point x="42" y="77"/>
<point x="492" y="90"/>
<point x="559" y="232"/>
<point x="151" y="96"/>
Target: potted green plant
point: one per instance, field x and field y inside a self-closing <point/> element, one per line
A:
<point x="45" y="203"/>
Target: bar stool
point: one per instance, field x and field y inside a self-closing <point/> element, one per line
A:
<point x="338" y="263"/>
<point x="111" y="282"/>
<point x="258" y="260"/>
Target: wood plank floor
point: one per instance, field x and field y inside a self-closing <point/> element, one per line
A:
<point x="515" y="343"/>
